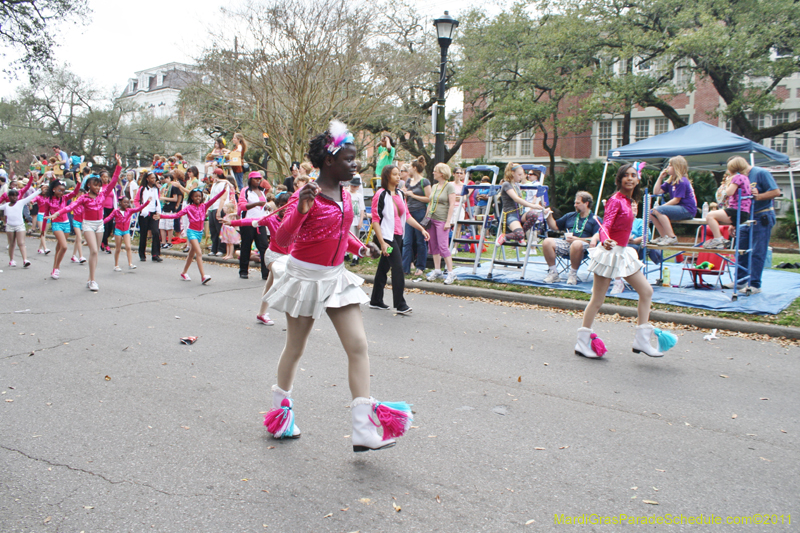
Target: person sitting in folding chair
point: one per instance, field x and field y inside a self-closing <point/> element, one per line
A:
<point x="637" y="233"/>
<point x="578" y="227"/>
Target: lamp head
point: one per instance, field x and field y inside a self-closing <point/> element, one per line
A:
<point x="445" y="27"/>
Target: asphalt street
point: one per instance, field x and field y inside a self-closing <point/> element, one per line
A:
<point x="110" y="424"/>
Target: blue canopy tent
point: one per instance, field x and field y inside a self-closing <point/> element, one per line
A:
<point x="705" y="147"/>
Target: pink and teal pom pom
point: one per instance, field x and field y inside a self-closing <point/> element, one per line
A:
<point x="394" y="417"/>
<point x="280" y="422"/>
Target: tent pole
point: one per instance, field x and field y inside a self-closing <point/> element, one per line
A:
<point x="752" y="160"/>
<point x="600" y="192"/>
<point x="794" y="204"/>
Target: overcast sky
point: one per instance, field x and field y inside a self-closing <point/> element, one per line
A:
<point x="124" y="37"/>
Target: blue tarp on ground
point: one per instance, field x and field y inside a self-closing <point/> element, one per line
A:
<point x="779" y="289"/>
<point x="704" y="146"/>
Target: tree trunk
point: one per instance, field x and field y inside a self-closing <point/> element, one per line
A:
<point x="626" y="128"/>
<point x="551" y="151"/>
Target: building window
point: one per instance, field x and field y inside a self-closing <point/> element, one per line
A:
<point x="499" y="147"/>
<point x="644" y="66"/>
<point x="662" y="126"/>
<point x="682" y="76"/>
<point x="781" y="142"/>
<point x="621" y="67"/>
<point x="642" y="129"/>
<point x="526" y="143"/>
<point x="160" y="79"/>
<point x="759" y="121"/>
<point x="603" y="138"/>
<point x="620" y="127"/>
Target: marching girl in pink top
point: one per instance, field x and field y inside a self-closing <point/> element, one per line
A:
<point x="43" y="204"/>
<point x="274" y="256"/>
<point x="77" y="226"/>
<point x="122" y="229"/>
<point x="613" y="260"/>
<point x="316" y="227"/>
<point x="195" y="210"/>
<point x="56" y="201"/>
<point x="92" y="203"/>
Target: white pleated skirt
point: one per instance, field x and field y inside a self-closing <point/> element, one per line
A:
<point x="301" y="291"/>
<point x="619" y="262"/>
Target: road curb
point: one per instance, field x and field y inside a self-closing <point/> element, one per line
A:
<point x="704" y="322"/>
<point x="785" y="250"/>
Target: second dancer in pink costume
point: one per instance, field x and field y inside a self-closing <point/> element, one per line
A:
<point x="316" y="228"/>
<point x="274" y="256"/>
<point x="613" y="259"/>
<point x="92" y="203"/>
<point x="121" y="216"/>
<point x="196" y="211"/>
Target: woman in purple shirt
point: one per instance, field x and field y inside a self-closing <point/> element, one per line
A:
<point x="682" y="204"/>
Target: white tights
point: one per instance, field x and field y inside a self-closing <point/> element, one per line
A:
<point x="349" y="326"/>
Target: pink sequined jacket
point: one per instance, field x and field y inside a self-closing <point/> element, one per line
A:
<point x="321" y="236"/>
<point x="122" y="219"/>
<point x="617" y="219"/>
<point x="195" y="213"/>
<point x="93" y="207"/>
<point x="60" y="206"/>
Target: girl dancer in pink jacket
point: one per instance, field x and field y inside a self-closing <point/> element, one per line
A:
<point x="614" y="259"/>
<point x="195" y="210"/>
<point x="316" y="227"/>
<point x="122" y="229"/>
<point x="274" y="256"/>
<point x="92" y="224"/>
<point x="56" y="202"/>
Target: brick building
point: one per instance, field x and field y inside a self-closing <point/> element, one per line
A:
<point x="606" y="133"/>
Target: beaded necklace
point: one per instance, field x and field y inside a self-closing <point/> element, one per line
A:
<point x="579" y="230"/>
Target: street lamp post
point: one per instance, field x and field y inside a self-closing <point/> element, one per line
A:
<point x="445" y="26"/>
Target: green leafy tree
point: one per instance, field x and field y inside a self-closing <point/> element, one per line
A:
<point x="530" y="73"/>
<point x="746" y="49"/>
<point x="27" y="27"/>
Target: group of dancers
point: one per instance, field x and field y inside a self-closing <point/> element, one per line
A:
<point x="311" y="233"/>
<point x="54" y="204"/>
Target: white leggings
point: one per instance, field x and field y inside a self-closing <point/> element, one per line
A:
<point x="349" y="326"/>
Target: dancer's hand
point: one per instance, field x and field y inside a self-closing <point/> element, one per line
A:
<point x="426" y="235"/>
<point x="609" y="244"/>
<point x="305" y="200"/>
